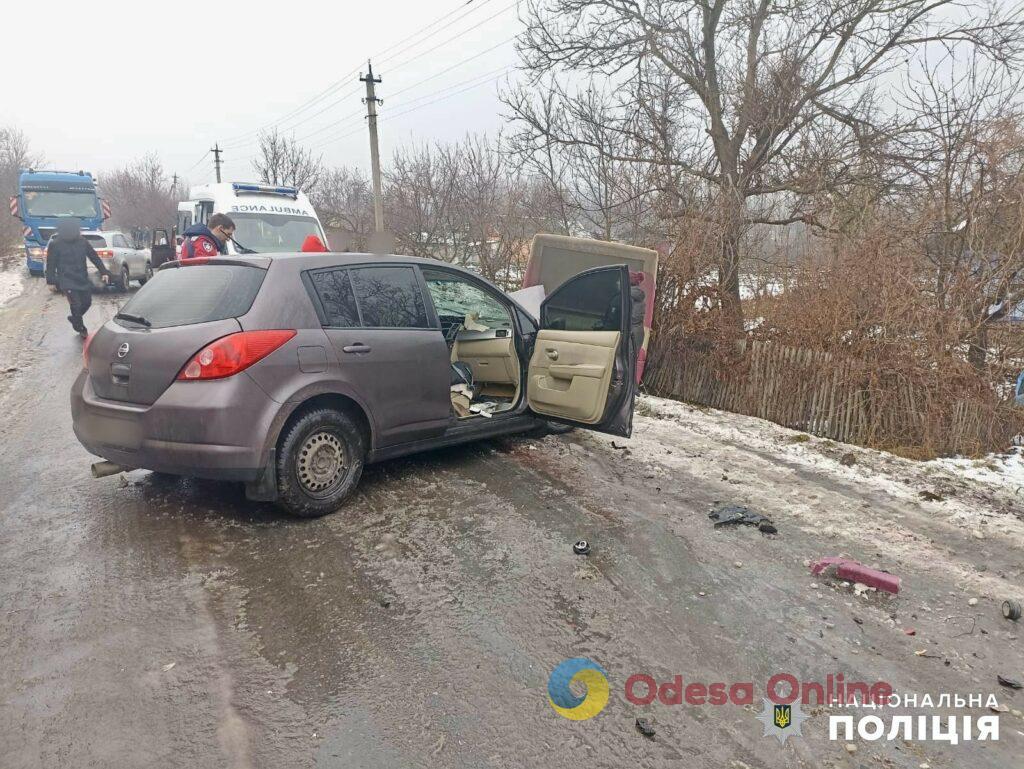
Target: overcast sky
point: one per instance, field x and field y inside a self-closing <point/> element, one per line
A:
<point x="97" y="84"/>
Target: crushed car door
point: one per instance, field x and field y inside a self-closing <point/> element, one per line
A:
<point x="582" y="370"/>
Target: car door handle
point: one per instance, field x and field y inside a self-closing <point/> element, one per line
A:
<point x="356" y="348"/>
<point x="553" y="354"/>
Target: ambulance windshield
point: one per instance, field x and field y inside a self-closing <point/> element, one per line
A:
<point x="269" y="233"/>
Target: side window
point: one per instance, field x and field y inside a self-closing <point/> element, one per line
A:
<point x="335" y="292"/>
<point x="205" y="211"/>
<point x="389" y="297"/>
<point x="120" y="242"/>
<point x="459" y="302"/>
<point x="586" y="303"/>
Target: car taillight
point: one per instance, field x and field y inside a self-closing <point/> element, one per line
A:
<point x="104" y="253"/>
<point x="85" y="350"/>
<point x="231" y="354"/>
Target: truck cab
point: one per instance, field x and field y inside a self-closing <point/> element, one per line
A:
<point x="46" y="197"/>
<point x="268" y="218"/>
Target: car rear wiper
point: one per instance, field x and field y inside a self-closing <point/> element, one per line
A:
<point x="242" y="249"/>
<point x="133" y="318"/>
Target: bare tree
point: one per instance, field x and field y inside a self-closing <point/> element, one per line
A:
<point x="15" y="155"/>
<point x="344" y="202"/>
<point x="281" y="160"/>
<point x="141" y="195"/>
<point x="767" y="103"/>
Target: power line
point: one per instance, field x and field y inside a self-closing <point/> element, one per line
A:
<point x="455" y="37"/>
<point x="240" y="140"/>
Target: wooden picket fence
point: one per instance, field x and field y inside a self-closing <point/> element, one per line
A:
<point x="842" y="399"/>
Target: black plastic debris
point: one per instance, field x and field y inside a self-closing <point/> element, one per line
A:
<point x="729" y="515"/>
<point x="1011" y="610"/>
<point x="645" y="727"/>
<point x="1010" y="682"/>
<point x="581" y="548"/>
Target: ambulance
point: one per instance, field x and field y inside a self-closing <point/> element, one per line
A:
<point x="268" y="218"/>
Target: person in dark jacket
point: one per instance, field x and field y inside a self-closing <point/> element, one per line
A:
<point x="208" y="239"/>
<point x="66" y="269"/>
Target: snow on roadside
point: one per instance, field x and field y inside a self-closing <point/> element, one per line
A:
<point x="11" y="283"/>
<point x="903" y="511"/>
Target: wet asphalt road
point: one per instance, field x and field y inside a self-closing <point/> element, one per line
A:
<point x="171" y="623"/>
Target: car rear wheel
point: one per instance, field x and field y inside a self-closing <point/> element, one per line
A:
<point x="125" y="278"/>
<point x="319" y="462"/>
<point x="147" y="274"/>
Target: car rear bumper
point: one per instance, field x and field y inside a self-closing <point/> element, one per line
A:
<point x="201" y="429"/>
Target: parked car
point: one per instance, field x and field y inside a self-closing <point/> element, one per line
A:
<point x="290" y="372"/>
<point x="120" y="256"/>
<point x="1018" y="393"/>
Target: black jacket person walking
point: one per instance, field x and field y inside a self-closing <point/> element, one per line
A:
<point x="66" y="269"/>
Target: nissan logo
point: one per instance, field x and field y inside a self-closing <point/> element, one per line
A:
<point x="123" y="350"/>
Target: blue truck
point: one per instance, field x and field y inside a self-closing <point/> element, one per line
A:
<point x="46" y="197"/>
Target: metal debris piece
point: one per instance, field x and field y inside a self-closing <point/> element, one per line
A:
<point x="581" y="548"/>
<point x="854" y="571"/>
<point x="645" y="727"/>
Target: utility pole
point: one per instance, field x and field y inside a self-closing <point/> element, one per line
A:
<point x="174" y="183"/>
<point x="216" y="158"/>
<point x="371" y="115"/>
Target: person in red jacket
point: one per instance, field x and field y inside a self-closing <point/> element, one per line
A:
<point x="313" y="244"/>
<point x="208" y="239"/>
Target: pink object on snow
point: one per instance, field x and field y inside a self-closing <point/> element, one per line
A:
<point x="855" y="571"/>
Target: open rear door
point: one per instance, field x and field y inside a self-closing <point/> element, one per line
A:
<point x="583" y="368"/>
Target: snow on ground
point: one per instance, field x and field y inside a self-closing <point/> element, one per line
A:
<point x="902" y="511"/>
<point x="11" y="283"/>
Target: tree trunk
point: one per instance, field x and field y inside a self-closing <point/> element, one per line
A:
<point x="977" y="350"/>
<point x="729" y="261"/>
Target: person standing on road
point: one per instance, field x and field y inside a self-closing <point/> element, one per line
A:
<point x="208" y="239"/>
<point x="67" y="271"/>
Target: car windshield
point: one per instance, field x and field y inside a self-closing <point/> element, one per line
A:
<point x="268" y="233"/>
<point x="80" y="204"/>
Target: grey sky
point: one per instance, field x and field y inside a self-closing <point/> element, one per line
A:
<point x="95" y="85"/>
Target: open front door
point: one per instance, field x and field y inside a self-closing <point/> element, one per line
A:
<point x="582" y="370"/>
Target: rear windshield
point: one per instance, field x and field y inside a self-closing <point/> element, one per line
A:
<point x="195" y="294"/>
<point x="97" y="241"/>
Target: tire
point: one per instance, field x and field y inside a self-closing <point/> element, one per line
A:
<point x="147" y="275"/>
<point x="310" y="482"/>
<point x="125" y="278"/>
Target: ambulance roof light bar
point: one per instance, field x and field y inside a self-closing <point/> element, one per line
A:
<point x="266" y="189"/>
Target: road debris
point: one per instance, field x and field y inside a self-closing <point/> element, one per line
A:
<point x="582" y="547"/>
<point x="168" y="666"/>
<point x="729" y="515"/>
<point x="972" y="601"/>
<point x="854" y="571"/>
<point x="849" y="459"/>
<point x="1011" y="610"/>
<point x="1012" y="683"/>
<point x="645" y="727"/>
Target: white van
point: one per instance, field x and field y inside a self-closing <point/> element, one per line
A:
<point x="268" y="218"/>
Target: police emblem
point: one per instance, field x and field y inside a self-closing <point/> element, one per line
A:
<point x="781" y="720"/>
<point x="207" y="247"/>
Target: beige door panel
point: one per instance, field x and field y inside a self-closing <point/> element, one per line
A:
<point x="570" y="373"/>
<point x="492" y="360"/>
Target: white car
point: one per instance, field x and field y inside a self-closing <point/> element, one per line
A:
<point x="125" y="262"/>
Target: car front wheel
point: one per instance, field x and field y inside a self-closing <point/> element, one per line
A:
<point x="319" y="462"/>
